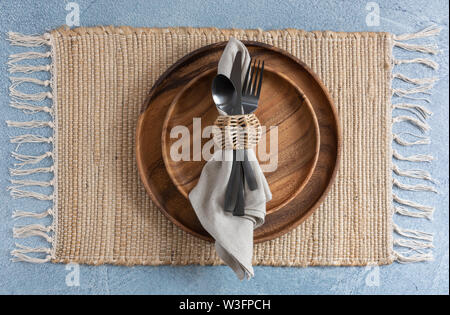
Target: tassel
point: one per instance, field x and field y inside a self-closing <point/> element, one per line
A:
<point x="402" y="259"/>
<point x="418" y="235"/>
<point x="412" y="204"/>
<point x="27" y="182"/>
<point x="30" y="109"/>
<point x="432" y="30"/>
<point x="29" y="97"/>
<point x="30" y="159"/>
<point x="29" y="171"/>
<point x="414" y="214"/>
<point x="426" y="49"/>
<point x="24" y="214"/>
<point x="19" y="254"/>
<point x="413" y="97"/>
<point x="28" y="68"/>
<point x="400" y="185"/>
<point x="30" y="124"/>
<point x="419" y="174"/>
<point x="419" y="111"/>
<point x="412" y="158"/>
<point x="427" y="62"/>
<point x="422" y="140"/>
<point x="33" y="230"/>
<point x="27" y="55"/>
<point x="424" y="127"/>
<point x="419" y="89"/>
<point x="26" y="250"/>
<point x="412" y="244"/>
<point x="28" y="138"/>
<point x="16" y="81"/>
<point x="17" y="39"/>
<point x="19" y="257"/>
<point x="423" y="81"/>
<point x="17" y="193"/>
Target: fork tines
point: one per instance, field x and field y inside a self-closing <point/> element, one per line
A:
<point x="253" y="79"/>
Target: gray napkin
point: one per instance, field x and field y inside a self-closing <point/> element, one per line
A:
<point x="233" y="235"/>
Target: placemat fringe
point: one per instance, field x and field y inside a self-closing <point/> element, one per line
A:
<point x="413" y="158"/>
<point x="33" y="230"/>
<point x="14" y="58"/>
<point x="426" y="49"/>
<point x="420" y="111"/>
<point x="418" y="187"/>
<point x="412" y="244"/>
<point x="414" y="90"/>
<point x="414" y="214"/>
<point x="414" y="234"/>
<point x="29" y="171"/>
<point x="17" y="81"/>
<point x="401" y="141"/>
<point x="19" y="254"/>
<point x="28" y="182"/>
<point x="36" y="215"/>
<point x="30" y="138"/>
<point x="28" y="69"/>
<point x="414" y="258"/>
<point x="431" y="30"/>
<point x="17" y="39"/>
<point x="423" y="126"/>
<point x="417" y="243"/>
<point x="412" y="204"/>
<point x="29" y="108"/>
<point x="418" y="81"/>
<point x="19" y="101"/>
<point x="30" y="124"/>
<point x="419" y="174"/>
<point x="30" y="159"/>
<point x="19" y="193"/>
<point x="425" y="61"/>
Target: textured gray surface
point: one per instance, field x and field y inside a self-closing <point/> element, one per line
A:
<point x="396" y="16"/>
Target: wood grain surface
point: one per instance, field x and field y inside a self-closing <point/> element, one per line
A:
<point x="150" y="162"/>
<point x="282" y="105"/>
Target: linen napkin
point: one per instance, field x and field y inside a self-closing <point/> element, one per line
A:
<point x="233" y="234"/>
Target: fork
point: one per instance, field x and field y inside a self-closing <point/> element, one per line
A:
<point x="251" y="88"/>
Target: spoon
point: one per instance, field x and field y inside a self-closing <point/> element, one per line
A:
<point x="223" y="93"/>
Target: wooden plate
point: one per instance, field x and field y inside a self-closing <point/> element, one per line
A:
<point x="282" y="105"/>
<point x="149" y="130"/>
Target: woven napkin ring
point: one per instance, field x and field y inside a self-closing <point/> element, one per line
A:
<point x="236" y="132"/>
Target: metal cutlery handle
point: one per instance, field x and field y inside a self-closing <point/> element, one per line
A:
<point x="232" y="187"/>
<point x="239" y="210"/>
<point x="248" y="173"/>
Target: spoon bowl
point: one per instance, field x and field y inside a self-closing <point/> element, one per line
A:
<point x="223" y="93"/>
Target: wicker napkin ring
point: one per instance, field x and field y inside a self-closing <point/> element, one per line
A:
<point x="236" y="132"/>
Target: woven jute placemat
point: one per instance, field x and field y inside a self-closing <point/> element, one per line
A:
<point x="101" y="212"/>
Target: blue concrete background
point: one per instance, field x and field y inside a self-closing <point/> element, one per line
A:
<point x="32" y="17"/>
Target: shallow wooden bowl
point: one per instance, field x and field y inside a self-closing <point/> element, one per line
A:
<point x="282" y="105"/>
